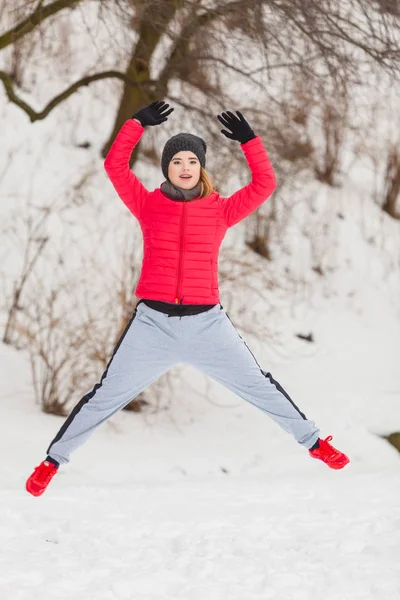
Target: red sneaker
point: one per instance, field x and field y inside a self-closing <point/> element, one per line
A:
<point x="329" y="455"/>
<point x="40" y="478"/>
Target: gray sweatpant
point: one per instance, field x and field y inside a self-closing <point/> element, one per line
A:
<point x="152" y="343"/>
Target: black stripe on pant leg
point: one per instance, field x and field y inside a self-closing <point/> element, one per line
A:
<point x="269" y="376"/>
<point x="282" y="391"/>
<point x="90" y="395"/>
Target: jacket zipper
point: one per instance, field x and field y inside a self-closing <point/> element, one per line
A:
<point x="181" y="255"/>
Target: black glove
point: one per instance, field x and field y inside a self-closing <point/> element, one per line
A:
<point x="241" y="130"/>
<point x="153" y="114"/>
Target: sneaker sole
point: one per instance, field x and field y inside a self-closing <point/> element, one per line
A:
<point x="340" y="467"/>
<point x="332" y="466"/>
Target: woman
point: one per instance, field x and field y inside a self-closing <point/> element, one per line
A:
<point x="183" y="224"/>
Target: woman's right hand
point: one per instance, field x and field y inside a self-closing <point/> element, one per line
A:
<point x="153" y="114"/>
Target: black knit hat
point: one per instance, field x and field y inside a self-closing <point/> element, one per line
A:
<point x="180" y="142"/>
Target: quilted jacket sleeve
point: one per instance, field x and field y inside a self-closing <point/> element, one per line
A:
<point x="131" y="191"/>
<point x="243" y="202"/>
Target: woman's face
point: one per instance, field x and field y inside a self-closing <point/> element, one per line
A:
<point x="184" y="170"/>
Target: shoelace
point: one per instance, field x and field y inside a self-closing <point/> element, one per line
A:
<point x="44" y="478"/>
<point x="325" y="443"/>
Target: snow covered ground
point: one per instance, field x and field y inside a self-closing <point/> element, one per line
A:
<point x="294" y="537"/>
<point x="212" y="500"/>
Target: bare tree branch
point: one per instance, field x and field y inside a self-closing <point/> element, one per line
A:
<point x="38" y="116"/>
<point x="39" y="15"/>
<point x="190" y="28"/>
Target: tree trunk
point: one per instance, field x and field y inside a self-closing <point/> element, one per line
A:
<point x="392" y="181"/>
<point x="134" y="98"/>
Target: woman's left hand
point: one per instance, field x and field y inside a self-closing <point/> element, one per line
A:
<point x="239" y="128"/>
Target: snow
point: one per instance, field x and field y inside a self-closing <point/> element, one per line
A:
<point x="282" y="537"/>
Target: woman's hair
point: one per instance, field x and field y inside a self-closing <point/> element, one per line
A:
<point x="206" y="185"/>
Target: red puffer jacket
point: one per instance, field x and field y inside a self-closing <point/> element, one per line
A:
<point x="181" y="239"/>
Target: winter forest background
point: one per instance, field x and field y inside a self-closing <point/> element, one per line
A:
<point x="198" y="494"/>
